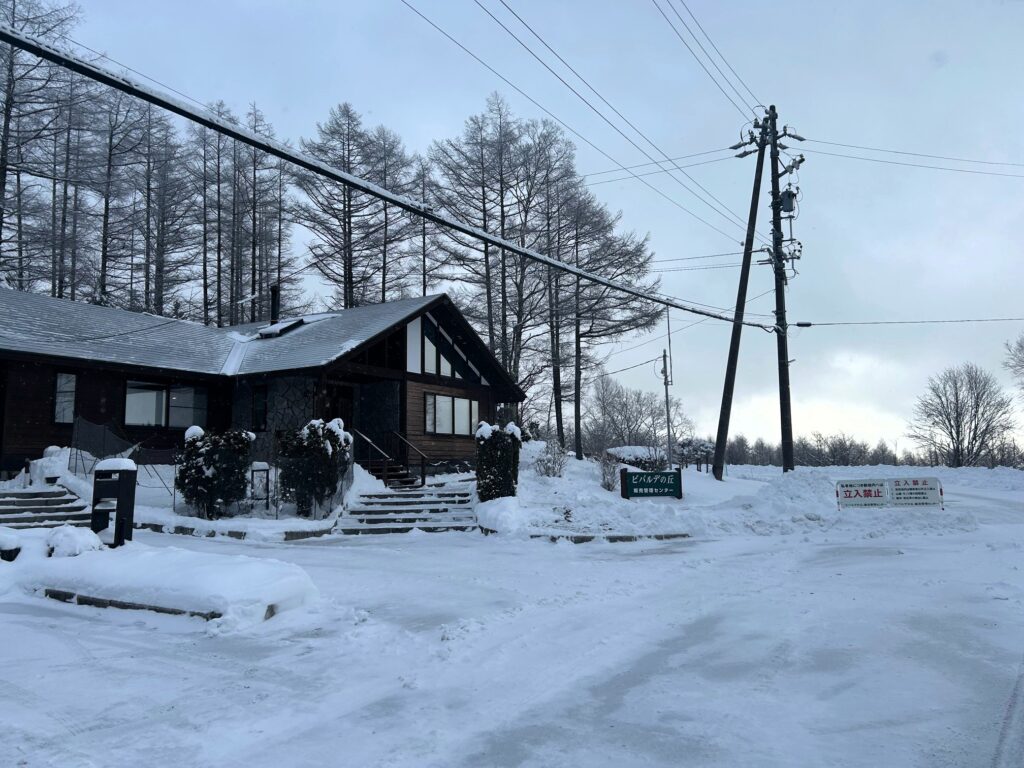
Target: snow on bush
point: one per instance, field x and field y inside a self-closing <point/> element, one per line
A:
<point x="551" y="461"/>
<point x="497" y="460"/>
<point x="213" y="469"/>
<point x="316" y="458"/>
<point x="645" y="457"/>
<point x="70" y="541"/>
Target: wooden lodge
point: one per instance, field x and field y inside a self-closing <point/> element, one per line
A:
<point x="408" y="377"/>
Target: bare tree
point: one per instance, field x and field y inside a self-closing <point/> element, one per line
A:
<point x="963" y="414"/>
<point x="1015" y="360"/>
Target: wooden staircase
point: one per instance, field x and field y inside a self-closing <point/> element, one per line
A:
<point x="46" y="506"/>
<point x="401" y="508"/>
<point x="395" y="476"/>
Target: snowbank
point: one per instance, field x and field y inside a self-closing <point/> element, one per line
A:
<point x="242" y="590"/>
<point x="752" y="501"/>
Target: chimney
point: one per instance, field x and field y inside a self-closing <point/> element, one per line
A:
<point x="275" y="303"/>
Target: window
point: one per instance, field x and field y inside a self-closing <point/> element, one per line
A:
<point x="450" y="415"/>
<point x="64" y="398"/>
<point x="145" y="404"/>
<point x="187" y="406"/>
<point x="429" y="356"/>
<point x="259" y="408"/>
<point x="160" y="405"/>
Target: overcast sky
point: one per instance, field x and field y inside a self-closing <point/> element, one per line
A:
<point x="880" y="241"/>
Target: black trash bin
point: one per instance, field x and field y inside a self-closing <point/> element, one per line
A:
<point x="113" y="490"/>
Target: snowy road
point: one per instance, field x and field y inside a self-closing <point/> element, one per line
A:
<point x="457" y="650"/>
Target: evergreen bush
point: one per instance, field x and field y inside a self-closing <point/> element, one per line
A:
<point x="314" y="460"/>
<point x="497" y="460"/>
<point x="213" y="469"/>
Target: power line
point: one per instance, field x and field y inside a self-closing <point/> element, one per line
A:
<point x="628" y="368"/>
<point x="558" y="120"/>
<point x="659" y="162"/>
<point x="721" y="55"/>
<point x="704" y="51"/>
<point x="695" y="269"/>
<point x="915" y="165"/>
<point x="917" y="322"/>
<point x="668" y="21"/>
<point x="914" y="154"/>
<point x="655" y="173"/>
<point x="690" y="325"/>
<point x="695" y="258"/>
<point x="735" y="220"/>
<point x="282" y="151"/>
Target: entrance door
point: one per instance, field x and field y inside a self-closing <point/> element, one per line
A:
<point x="341" y="400"/>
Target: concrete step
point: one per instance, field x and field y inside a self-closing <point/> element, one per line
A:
<point x="415" y="519"/>
<point x="81" y="513"/>
<point x="356" y="529"/>
<point x="423" y="494"/>
<point x="36" y="501"/>
<point x="33" y="492"/>
<point x="78" y="523"/>
<point x="418" y="502"/>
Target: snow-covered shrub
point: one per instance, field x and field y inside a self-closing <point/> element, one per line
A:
<point x="497" y="460"/>
<point x="609" y="472"/>
<point x="315" y="458"/>
<point x="551" y="462"/>
<point x="644" y="457"/>
<point x="213" y="469"/>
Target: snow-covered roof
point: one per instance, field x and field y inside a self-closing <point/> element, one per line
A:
<point x="41" y="325"/>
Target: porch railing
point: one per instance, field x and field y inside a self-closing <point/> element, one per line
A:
<point x="421" y="454"/>
<point x="383" y="454"/>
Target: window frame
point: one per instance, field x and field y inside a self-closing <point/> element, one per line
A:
<point x="57" y="393"/>
<point x="430" y="425"/>
<point x="166" y="388"/>
<point x="260" y="425"/>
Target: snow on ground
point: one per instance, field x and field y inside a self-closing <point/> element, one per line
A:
<point x="239" y="588"/>
<point x="853" y="640"/>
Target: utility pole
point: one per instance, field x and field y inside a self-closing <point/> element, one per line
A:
<point x="741" y="299"/>
<point x="668" y="406"/>
<point x="781" y="328"/>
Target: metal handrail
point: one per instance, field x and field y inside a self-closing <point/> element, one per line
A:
<point x="387" y="459"/>
<point x="371" y="444"/>
<point x="423" y="457"/>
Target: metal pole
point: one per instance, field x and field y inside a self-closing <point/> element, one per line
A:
<point x="668" y="406"/>
<point x="781" y="328"/>
<point x="737" y="328"/>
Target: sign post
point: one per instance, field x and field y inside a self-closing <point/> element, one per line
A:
<point x="645" y="484"/>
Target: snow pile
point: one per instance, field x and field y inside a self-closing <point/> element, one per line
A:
<point x="757" y="501"/>
<point x="243" y="590"/>
<point x="9" y="538"/>
<point x="576" y="504"/>
<point x="194" y="433"/>
<point x="804" y="501"/>
<point x="70" y="541"/>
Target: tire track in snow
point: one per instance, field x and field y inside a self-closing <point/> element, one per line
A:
<point x="1010" y="747"/>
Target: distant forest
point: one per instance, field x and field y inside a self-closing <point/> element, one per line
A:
<point x="106" y="199"/>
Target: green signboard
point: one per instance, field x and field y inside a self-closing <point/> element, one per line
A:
<point x="643" y="484"/>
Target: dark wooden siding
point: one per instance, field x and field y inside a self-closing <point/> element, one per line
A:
<point x="440" y="447"/>
<point x="28" y="403"/>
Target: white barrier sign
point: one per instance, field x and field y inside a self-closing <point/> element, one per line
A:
<point x="861" y="493"/>
<point x="895" y="492"/>
<point x="916" y="492"/>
